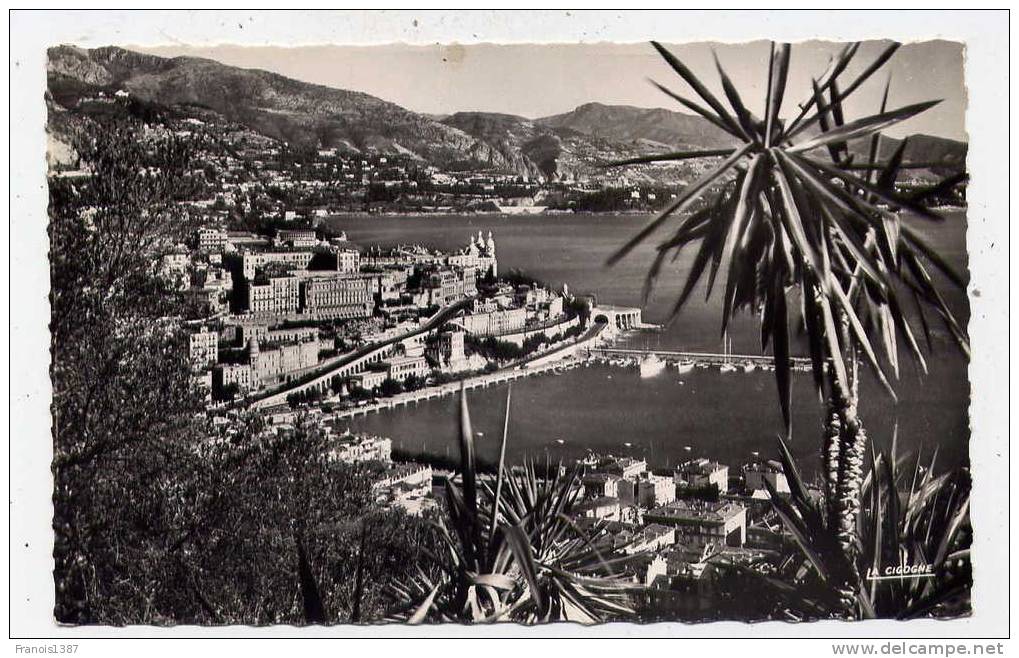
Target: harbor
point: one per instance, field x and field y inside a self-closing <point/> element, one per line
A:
<point x="595" y="348"/>
<point x="685" y="361"/>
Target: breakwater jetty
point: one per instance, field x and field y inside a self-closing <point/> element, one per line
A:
<point x="433" y="392"/>
<point x="702" y="358"/>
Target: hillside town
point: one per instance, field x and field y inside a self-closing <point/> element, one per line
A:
<point x="284" y="308"/>
<point x="276" y="312"/>
<point x="249" y="180"/>
<point x="309" y="329"/>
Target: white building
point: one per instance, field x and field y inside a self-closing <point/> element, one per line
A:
<point x="758" y="473"/>
<point x="652" y="490"/>
<point x="701" y="473"/>
<point x="353" y="448"/>
<point x="624" y="467"/>
<point x="229" y="374"/>
<point x="402" y="367"/>
<point x="210" y="239"/>
<point x="447" y="351"/>
<point x="600" y="485"/>
<point x="203" y="348"/>
<point x="605" y="508"/>
<point x="699" y="523"/>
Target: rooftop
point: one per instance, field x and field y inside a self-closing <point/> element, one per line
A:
<point x="764" y="466"/>
<point x="695" y="510"/>
<point x="600" y="477"/>
<point x="403" y="360"/>
<point x="597" y="503"/>
<point x="700" y="466"/>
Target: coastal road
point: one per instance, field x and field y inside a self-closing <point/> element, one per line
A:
<point x="270" y="398"/>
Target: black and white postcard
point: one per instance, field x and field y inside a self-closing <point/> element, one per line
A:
<point x="413" y="332"/>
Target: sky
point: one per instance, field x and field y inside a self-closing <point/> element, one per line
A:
<point x="541" y="80"/>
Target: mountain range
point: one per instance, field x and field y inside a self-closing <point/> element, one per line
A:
<point x="571" y="144"/>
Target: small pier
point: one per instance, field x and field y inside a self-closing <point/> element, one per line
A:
<point x="708" y="358"/>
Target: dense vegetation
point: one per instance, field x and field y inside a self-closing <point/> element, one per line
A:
<point x="157" y="519"/>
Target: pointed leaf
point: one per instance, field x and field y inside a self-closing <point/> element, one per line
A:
<point x="792" y="221"/>
<point x="822" y="109"/>
<point x="422" y="610"/>
<point x="699" y="109"/>
<point x="834" y="350"/>
<point x="885" y="55"/>
<point x="891" y="171"/>
<point x="795" y="527"/>
<point x="497" y="498"/>
<point x="815" y="339"/>
<point x="918" y="243"/>
<point x="840" y="147"/>
<point x="835" y="68"/>
<point x="520" y="546"/>
<point x="933" y="190"/>
<point x="780" y="340"/>
<point x="884" y="195"/>
<point x="689" y="195"/>
<point x="862" y="127"/>
<point x="777" y="77"/>
<point x="797" y="488"/>
<point x="695" y="84"/>
<point x="861" y="337"/>
<point x="743" y="115"/>
<point x="904" y="329"/>
<point x="741" y="217"/>
<point x="959" y="517"/>
<point x="824" y="190"/>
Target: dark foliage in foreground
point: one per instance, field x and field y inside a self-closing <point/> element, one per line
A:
<point x="510" y="551"/>
<point x="909" y="517"/>
<point x="154" y="521"/>
<point x="791" y="214"/>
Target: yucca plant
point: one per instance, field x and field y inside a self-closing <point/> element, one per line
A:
<point x="791" y="213"/>
<point x="512" y="551"/>
<point x="922" y="521"/>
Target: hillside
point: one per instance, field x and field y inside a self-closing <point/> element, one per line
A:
<point x="563" y="146"/>
<point x="924" y="149"/>
<point x="626" y="124"/>
<point x="282" y="108"/>
<point x="310" y="115"/>
<point x="554" y="152"/>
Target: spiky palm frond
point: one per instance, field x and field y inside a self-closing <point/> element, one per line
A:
<point x="512" y="551"/>
<point x="908" y="517"/>
<point x="785" y="215"/>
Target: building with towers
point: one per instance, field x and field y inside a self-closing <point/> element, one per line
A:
<point x="480" y="254"/>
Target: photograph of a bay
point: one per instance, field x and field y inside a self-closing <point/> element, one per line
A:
<point x="511" y="335"/>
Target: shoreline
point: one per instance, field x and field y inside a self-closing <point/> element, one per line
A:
<point x="409" y="214"/>
<point x="483" y="213"/>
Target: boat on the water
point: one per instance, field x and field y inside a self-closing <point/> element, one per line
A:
<point x="727" y="364"/>
<point x="749" y="366"/>
<point x="685" y="367"/>
<point x="651" y="365"/>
